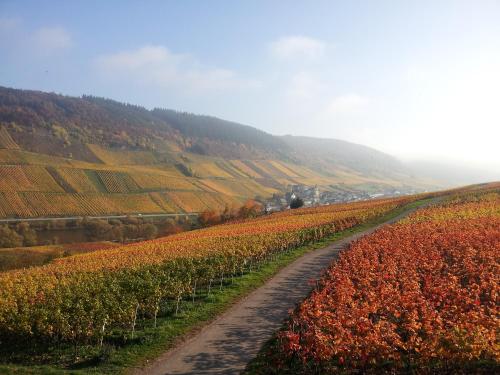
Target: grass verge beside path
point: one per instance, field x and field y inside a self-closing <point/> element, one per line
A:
<point x="150" y="343"/>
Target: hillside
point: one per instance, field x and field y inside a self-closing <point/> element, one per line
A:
<point x="139" y="290"/>
<point x="63" y="155"/>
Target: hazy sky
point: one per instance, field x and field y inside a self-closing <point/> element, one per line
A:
<point x="412" y="78"/>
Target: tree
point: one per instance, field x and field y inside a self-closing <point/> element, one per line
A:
<point x="296" y="203"/>
<point x="98" y="229"/>
<point x="228" y="214"/>
<point x="251" y="208"/>
<point x="209" y="217"/>
<point x="149" y="231"/>
<point x="116" y="233"/>
<point x="171" y="227"/>
<point x="130" y="232"/>
<point x="28" y="234"/>
<point x="9" y="237"/>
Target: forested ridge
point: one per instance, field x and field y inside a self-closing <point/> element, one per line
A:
<point x="95" y="120"/>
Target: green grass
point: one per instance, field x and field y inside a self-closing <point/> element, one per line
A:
<point x="149" y="342"/>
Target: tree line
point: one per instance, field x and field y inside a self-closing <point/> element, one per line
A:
<point x="250" y="209"/>
<point x="117" y="230"/>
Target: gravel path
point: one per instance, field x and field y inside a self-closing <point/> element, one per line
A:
<point x="226" y="345"/>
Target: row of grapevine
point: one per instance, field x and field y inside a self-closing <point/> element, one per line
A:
<point x="6" y="140"/>
<point x="47" y="204"/>
<point x="237" y="187"/>
<point x="24" y="257"/>
<point x="189" y="201"/>
<point x="123" y="157"/>
<point x="26" y="178"/>
<point x="13" y="178"/>
<point x="161" y="182"/>
<point x="38" y="178"/>
<point x="209" y="169"/>
<point x="420" y="293"/>
<point x="11" y="204"/>
<point x="270" y="169"/>
<point x="219" y="202"/>
<point x="41" y="178"/>
<point x="79" y="299"/>
<point x="77" y="179"/>
<point x="117" y="182"/>
<point x="283" y="168"/>
<point x="229" y="168"/>
<point x="40" y="204"/>
<point x="241" y="166"/>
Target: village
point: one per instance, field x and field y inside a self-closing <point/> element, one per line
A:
<point x="313" y="196"/>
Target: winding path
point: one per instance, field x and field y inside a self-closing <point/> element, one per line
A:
<point x="226" y="345"/>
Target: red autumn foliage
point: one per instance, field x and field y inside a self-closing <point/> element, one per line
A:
<point x="418" y="292"/>
<point x="249" y="209"/>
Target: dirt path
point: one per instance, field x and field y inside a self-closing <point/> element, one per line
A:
<point x="231" y="341"/>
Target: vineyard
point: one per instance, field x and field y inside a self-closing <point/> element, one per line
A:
<point x="27" y="178"/>
<point x="422" y="293"/>
<point x="122" y="157"/>
<point x="36" y="185"/>
<point x="83" y="299"/>
<point x="116" y="182"/>
<point x="23" y="257"/>
<point x="236" y="187"/>
<point x="6" y="140"/>
<point x="76" y="179"/>
<point x="42" y="204"/>
<point x="99" y="180"/>
<point x="158" y="181"/>
<point x="106" y="148"/>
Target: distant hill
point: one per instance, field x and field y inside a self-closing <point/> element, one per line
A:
<point x="63" y="155"/>
<point x="213" y="136"/>
<point x="92" y="120"/>
<point x="326" y="152"/>
<point x="451" y="174"/>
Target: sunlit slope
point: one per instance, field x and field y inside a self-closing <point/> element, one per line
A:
<point x="64" y="156"/>
<point x="36" y="185"/>
<point x="39" y="185"/>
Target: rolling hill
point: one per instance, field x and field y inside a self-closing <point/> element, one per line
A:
<point x="62" y="156"/>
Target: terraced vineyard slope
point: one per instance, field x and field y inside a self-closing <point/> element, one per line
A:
<point x="65" y="156"/>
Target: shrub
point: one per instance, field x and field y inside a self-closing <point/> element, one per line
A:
<point x="9" y="237"/>
<point x="296" y="203"/>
